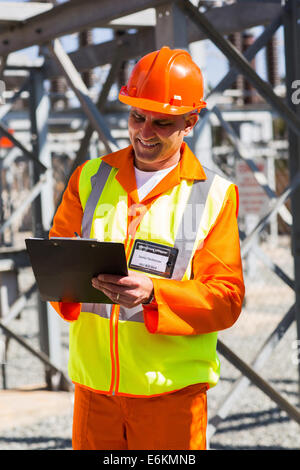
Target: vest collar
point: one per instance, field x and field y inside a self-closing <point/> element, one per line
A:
<point x="189" y="168"/>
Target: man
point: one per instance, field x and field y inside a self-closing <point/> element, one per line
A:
<point x="142" y="365"/>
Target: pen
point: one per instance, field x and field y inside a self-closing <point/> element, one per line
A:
<point x="76" y="234"/>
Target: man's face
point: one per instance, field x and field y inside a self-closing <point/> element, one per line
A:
<point x="156" y="138"/>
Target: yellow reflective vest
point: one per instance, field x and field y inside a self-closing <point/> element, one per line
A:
<point x="111" y="350"/>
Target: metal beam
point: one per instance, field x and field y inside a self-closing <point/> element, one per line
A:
<point x="42" y="212"/>
<point x="259" y="1"/>
<point x="171" y="27"/>
<point x="230" y="18"/>
<point x="4" y="110"/>
<point x="262" y="384"/>
<point x="67" y="18"/>
<point x="19" y="304"/>
<point x="84" y="145"/>
<point x="65" y="383"/>
<point x="4" y="131"/>
<point x="243" y="154"/>
<point x="10" y="157"/>
<point x="292" y="54"/>
<point x="267" y="261"/>
<point x="250" y="238"/>
<point x="146" y="18"/>
<point x="249" y="54"/>
<point x="19" y="257"/>
<point x="76" y="83"/>
<point x="239" y="61"/>
<point x="33" y="194"/>
<point x="117" y="58"/>
<point x="39" y="108"/>
<point x="235" y="17"/>
<point x="89" y="57"/>
<point x="242" y="382"/>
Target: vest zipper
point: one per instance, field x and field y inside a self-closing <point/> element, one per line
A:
<point x="114" y="386"/>
<point x="112" y="354"/>
<point x="114" y="348"/>
<point x="114" y="320"/>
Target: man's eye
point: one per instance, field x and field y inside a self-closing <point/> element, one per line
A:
<point x="163" y="124"/>
<point x="136" y="117"/>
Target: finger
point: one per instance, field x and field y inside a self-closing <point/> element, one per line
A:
<point x="110" y="278"/>
<point x="103" y="286"/>
<point x="118" y="280"/>
<point x="111" y="295"/>
<point x="128" y="297"/>
<point x="112" y="288"/>
<point x="117" y="298"/>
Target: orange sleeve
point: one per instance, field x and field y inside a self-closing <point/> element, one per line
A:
<point x="67" y="220"/>
<point x="68" y="217"/>
<point x="212" y="300"/>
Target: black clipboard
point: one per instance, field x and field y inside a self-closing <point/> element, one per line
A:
<point x="64" y="267"/>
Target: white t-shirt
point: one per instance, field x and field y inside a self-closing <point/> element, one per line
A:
<point x="147" y="180"/>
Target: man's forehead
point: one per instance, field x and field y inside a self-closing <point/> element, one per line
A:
<point x="153" y="114"/>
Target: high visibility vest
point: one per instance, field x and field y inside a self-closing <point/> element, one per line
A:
<point x="111" y="350"/>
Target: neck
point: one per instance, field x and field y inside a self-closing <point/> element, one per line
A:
<point x="160" y="165"/>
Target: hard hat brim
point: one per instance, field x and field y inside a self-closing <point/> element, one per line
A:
<point x="164" y="108"/>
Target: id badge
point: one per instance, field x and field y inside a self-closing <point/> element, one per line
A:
<point x="153" y="258"/>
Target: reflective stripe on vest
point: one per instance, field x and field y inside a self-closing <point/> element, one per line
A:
<point x="184" y="244"/>
<point x="98" y="182"/>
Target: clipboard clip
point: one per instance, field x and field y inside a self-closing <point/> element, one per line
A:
<point x="79" y="238"/>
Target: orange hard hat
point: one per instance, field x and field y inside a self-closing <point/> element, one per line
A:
<point x="166" y="81"/>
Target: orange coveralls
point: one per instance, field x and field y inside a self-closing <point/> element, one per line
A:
<point x="210" y="302"/>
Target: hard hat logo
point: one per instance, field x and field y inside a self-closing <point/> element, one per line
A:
<point x="176" y="100"/>
<point x="166" y="81"/>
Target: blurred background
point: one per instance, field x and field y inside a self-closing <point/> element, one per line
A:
<point x="62" y="65"/>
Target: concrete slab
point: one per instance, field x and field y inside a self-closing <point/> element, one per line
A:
<point x="21" y="407"/>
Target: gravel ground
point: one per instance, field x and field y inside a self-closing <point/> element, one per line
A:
<point x="253" y="422"/>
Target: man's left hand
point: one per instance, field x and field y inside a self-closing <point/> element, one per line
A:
<point x="128" y="291"/>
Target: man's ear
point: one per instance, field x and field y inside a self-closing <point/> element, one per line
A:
<point x="190" y="122"/>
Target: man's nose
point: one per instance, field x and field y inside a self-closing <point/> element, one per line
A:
<point x="147" y="130"/>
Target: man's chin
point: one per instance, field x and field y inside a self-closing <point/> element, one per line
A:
<point x="145" y="156"/>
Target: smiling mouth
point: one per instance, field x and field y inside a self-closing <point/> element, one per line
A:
<point x="147" y="145"/>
